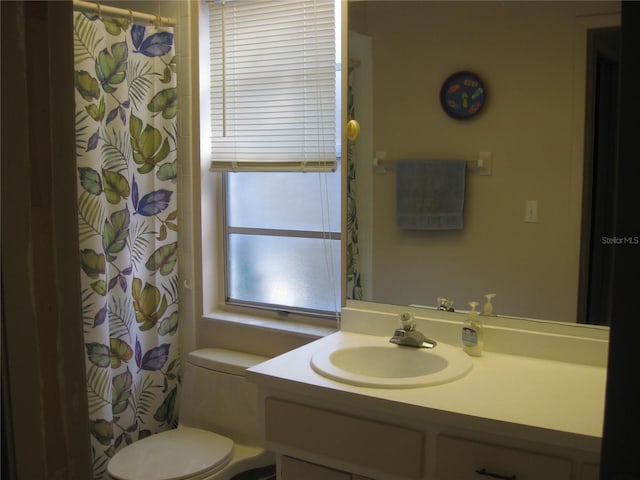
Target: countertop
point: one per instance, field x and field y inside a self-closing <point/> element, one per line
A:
<point x="552" y="402"/>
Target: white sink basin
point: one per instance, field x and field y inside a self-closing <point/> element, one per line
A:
<point x="380" y="364"/>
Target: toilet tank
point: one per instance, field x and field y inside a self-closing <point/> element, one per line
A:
<point x="215" y="395"/>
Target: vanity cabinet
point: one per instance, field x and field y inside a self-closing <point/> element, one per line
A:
<point x="547" y="428"/>
<point x="590" y="471"/>
<point x="316" y="443"/>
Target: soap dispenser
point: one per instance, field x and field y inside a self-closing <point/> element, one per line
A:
<point x="472" y="333"/>
<point x="487" y="309"/>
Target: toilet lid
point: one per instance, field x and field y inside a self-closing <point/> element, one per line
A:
<point x="172" y="455"/>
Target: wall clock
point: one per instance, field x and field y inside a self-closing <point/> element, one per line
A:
<point x="462" y="95"/>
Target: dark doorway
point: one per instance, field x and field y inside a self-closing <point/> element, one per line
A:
<point x="598" y="216"/>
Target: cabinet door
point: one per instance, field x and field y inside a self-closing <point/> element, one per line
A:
<point x="589" y="471"/>
<point x="391" y="450"/>
<point x="459" y="459"/>
<point x="294" y="469"/>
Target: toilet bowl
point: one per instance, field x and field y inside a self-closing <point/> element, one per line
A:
<point x="217" y="436"/>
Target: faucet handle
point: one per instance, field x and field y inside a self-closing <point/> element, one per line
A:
<point x="399" y="332"/>
<point x="407" y="334"/>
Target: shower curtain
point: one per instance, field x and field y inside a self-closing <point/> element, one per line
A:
<point x="126" y="135"/>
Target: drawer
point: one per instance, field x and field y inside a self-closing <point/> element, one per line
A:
<point x="459" y="459"/>
<point x="294" y="469"/>
<point x="386" y="448"/>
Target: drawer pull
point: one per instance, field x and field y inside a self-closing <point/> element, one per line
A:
<point x="487" y="473"/>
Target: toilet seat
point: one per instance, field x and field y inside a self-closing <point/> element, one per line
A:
<point x="182" y="453"/>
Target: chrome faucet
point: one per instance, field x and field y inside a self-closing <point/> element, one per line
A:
<point x="407" y="335"/>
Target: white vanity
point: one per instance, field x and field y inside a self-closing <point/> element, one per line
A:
<point x="511" y="416"/>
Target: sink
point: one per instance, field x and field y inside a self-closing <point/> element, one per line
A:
<point x="380" y="364"/>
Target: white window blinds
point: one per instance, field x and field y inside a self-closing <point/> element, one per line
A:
<point x="273" y="85"/>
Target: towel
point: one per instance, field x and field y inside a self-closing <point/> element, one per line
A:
<point x="430" y="194"/>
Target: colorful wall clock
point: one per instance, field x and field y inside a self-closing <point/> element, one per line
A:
<point x="463" y="95"/>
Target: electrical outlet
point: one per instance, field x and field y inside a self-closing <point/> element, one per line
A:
<point x="531" y="211"/>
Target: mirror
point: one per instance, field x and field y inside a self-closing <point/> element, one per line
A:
<point x="532" y="58"/>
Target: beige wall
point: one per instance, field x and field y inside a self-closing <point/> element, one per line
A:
<point x="524" y="51"/>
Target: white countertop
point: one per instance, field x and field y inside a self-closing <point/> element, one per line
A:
<point x="553" y="402"/>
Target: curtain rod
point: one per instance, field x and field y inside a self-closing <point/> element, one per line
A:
<point x="122" y="12"/>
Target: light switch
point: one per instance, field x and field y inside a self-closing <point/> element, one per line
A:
<point x="484" y="164"/>
<point x="531" y="211"/>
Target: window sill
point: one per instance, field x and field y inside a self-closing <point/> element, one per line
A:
<point x="255" y="334"/>
<point x="275" y="325"/>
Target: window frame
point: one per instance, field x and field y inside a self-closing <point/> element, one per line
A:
<point x="211" y="291"/>
<point x="283" y="310"/>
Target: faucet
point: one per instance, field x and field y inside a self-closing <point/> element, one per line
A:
<point x="445" y="304"/>
<point x="407" y="335"/>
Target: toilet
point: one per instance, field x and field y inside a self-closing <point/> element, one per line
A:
<point x="218" y="429"/>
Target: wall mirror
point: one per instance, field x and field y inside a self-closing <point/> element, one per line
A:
<point x="533" y="59"/>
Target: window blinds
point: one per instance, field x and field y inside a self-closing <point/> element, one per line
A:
<point x="273" y="85"/>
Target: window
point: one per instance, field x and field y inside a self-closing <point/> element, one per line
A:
<point x="283" y="240"/>
<point x="274" y="116"/>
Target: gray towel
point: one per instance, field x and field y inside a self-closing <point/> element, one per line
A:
<point x="430" y="194"/>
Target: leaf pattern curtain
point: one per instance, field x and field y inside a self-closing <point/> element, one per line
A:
<point x="354" y="287"/>
<point x="126" y="135"/>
